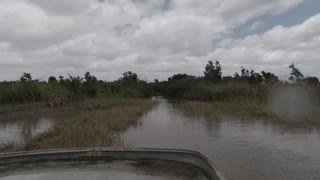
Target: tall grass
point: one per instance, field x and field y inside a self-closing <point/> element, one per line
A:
<point x="227" y="109"/>
<point x="233" y="92"/>
<point x="219" y="92"/>
<point x="227" y="92"/>
<point x="248" y="111"/>
<point x="86" y="124"/>
<point x="97" y="125"/>
<point x="74" y="89"/>
<point x="281" y="102"/>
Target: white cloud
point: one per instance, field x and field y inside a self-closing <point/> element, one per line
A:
<point x="62" y="7"/>
<point x="20" y="20"/>
<point x="5" y="46"/>
<point x="277" y="48"/>
<point x="150" y="37"/>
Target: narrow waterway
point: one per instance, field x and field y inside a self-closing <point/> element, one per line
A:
<point x="241" y="149"/>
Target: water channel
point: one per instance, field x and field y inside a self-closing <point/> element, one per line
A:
<point x="241" y="149"/>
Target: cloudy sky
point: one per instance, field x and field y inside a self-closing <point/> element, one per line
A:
<point x="156" y="38"/>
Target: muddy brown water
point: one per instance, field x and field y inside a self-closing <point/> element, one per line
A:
<point x="241" y="149"/>
<point x="18" y="130"/>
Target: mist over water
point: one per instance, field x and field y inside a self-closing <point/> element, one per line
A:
<point x="292" y="103"/>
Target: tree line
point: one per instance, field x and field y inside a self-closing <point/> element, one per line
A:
<point x="213" y="73"/>
<point x="57" y="91"/>
<point x="247" y="85"/>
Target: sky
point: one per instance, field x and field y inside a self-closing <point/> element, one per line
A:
<point x="157" y="38"/>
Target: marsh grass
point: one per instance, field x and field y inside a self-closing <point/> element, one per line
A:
<point x="38" y="109"/>
<point x="224" y="109"/>
<point x="87" y="124"/>
<point x="11" y="147"/>
<point x="248" y="111"/>
<point x="97" y="124"/>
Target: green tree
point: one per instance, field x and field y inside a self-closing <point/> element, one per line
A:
<point x="90" y="78"/>
<point x="311" y="80"/>
<point x="26" y="77"/>
<point x="129" y="76"/>
<point x="269" y="77"/>
<point x="90" y="85"/>
<point x="244" y="76"/>
<point x="255" y="78"/>
<point x="52" y="79"/>
<point x="74" y="85"/>
<point x="213" y="72"/>
<point x="236" y="76"/>
<point x="30" y="88"/>
<point x="61" y="78"/>
<point x="177" y="77"/>
<point x="296" y="75"/>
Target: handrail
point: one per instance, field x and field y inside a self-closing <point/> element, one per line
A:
<point x="177" y="155"/>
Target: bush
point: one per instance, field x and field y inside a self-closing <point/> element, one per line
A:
<point x="72" y="89"/>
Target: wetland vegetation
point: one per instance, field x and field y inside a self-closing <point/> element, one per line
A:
<point x="93" y="123"/>
<point x="100" y="110"/>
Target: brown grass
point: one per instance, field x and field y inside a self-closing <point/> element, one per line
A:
<point x="88" y="124"/>
<point x="217" y="109"/>
<point x="248" y="111"/>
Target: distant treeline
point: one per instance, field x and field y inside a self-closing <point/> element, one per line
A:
<point x="246" y="86"/>
<point x="56" y="92"/>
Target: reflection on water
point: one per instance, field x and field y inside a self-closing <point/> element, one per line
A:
<point x="17" y="130"/>
<point x="240" y="149"/>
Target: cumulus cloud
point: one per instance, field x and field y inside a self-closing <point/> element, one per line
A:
<point x="22" y="21"/>
<point x="62" y="7"/>
<point x="153" y="38"/>
<point x="277" y="48"/>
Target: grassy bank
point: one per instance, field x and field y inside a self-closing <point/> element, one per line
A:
<point x="87" y="124"/>
<point x="218" y="109"/>
<point x="248" y="111"/>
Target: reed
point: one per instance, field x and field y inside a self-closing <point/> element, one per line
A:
<point x="248" y="111"/>
<point x="90" y="123"/>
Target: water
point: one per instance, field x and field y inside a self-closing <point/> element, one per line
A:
<point x="18" y="130"/>
<point x="241" y="149"/>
